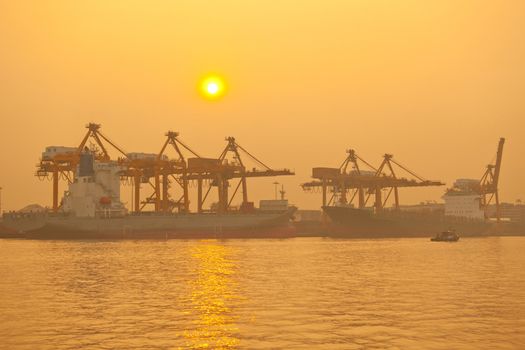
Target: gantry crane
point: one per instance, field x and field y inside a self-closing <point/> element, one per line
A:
<point x="158" y="170"/>
<point x="221" y="170"/>
<point x="65" y="164"/>
<point x="95" y="133"/>
<point x="352" y="160"/>
<point x="386" y="171"/>
<point x="364" y="183"/>
<point x="62" y="165"/>
<point x="177" y="170"/>
<point x="139" y="168"/>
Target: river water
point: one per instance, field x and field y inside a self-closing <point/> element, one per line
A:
<point x="304" y="293"/>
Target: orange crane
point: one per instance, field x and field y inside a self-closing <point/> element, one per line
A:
<point x="64" y="164"/>
<point x="177" y="169"/>
<point x="58" y="166"/>
<point x="94" y="133"/>
<point x="371" y="182"/>
<point x="220" y="171"/>
<point x="142" y="168"/>
<point x="488" y="184"/>
<point x="139" y="170"/>
<point x="212" y="171"/>
<point x="353" y="159"/>
<point x="395" y="182"/>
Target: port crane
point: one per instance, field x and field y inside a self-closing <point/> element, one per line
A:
<point x="177" y="170"/>
<point x="228" y="166"/>
<point x="353" y="160"/>
<point x="101" y="154"/>
<point x="214" y="172"/>
<point x="488" y="185"/>
<point x="64" y="164"/>
<point x="364" y="183"/>
<point x="392" y="181"/>
<point x="160" y="171"/>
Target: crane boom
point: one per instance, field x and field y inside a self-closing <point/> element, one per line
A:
<point x="498" y="161"/>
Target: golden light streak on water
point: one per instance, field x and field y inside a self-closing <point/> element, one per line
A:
<point x="212" y="292"/>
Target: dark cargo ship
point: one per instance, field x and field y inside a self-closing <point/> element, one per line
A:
<point x="361" y="223"/>
<point x="465" y="207"/>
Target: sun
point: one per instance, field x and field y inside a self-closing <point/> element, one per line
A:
<point x="212" y="87"/>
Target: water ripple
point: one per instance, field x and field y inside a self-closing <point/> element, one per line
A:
<point x="263" y="294"/>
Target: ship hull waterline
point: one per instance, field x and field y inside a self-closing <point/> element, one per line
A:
<point x="190" y="226"/>
<point x="348" y="222"/>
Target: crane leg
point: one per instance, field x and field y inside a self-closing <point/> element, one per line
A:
<point x="137" y="193"/>
<point x="55" y="190"/>
<point x="343" y="199"/>
<point x="361" y="198"/>
<point x="199" y="194"/>
<point x="186" y="196"/>
<point x="157" y="192"/>
<point x="379" y="201"/>
<point x="324" y="193"/>
<point x="396" y="197"/>
<point x="225" y="195"/>
<point x="244" y="191"/>
<point x="165" y="193"/>
<point x="498" y="209"/>
<point x="220" y="190"/>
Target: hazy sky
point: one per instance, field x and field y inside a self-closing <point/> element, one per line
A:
<point x="436" y="83"/>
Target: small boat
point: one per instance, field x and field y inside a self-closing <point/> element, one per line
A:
<point x="446" y="236"/>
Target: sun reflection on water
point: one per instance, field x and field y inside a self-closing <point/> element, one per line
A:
<point x="213" y="291"/>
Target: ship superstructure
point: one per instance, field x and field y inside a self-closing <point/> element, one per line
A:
<point x="464" y="200"/>
<point x="95" y="190"/>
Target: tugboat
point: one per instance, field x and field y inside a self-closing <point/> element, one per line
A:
<point x="446" y="236"/>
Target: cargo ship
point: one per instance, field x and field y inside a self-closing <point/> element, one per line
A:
<point x="362" y="223"/>
<point x="462" y="211"/>
<point x="185" y="226"/>
<point x="465" y="208"/>
<point x="92" y="209"/>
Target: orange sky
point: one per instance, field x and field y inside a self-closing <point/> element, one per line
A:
<point x="436" y="83"/>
